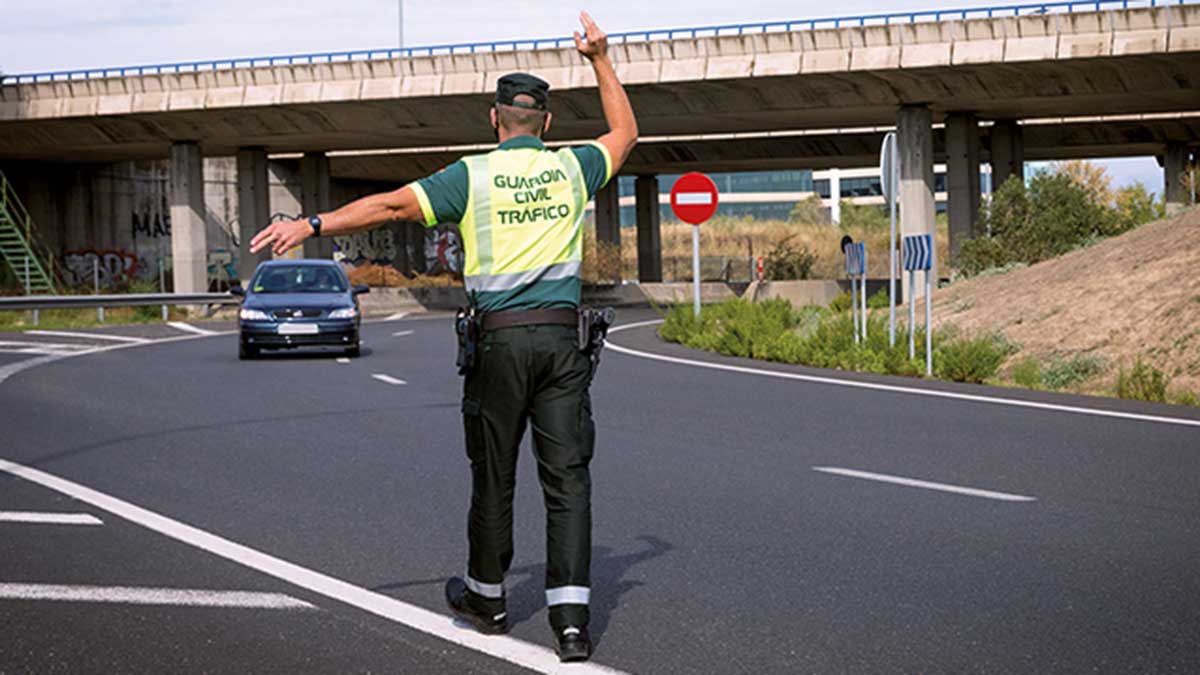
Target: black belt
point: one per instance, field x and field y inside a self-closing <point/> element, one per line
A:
<point x="531" y="317"/>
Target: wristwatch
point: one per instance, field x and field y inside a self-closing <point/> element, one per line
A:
<point x="315" y="221"/>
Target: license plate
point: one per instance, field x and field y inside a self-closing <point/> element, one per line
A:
<point x="298" y="329"/>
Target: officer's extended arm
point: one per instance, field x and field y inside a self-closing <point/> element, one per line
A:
<point x="362" y="214"/>
<point x="622" y="125"/>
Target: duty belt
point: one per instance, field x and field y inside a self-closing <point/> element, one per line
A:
<point x="530" y="317"/>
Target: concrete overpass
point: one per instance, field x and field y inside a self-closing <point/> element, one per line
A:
<point x="952" y="68"/>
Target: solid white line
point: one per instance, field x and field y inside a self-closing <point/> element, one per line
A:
<point x="397" y="316"/>
<point x="343" y="359"/>
<point x="387" y="378"/>
<point x="912" y="482"/>
<point x="129" y="595"/>
<point x="11" y="369"/>
<point x="49" y="518"/>
<point x="189" y="328"/>
<point x="977" y="398"/>
<point x="503" y="647"/>
<point x="15" y="347"/>
<point x="91" y="336"/>
<point x="402" y="333"/>
<point x="696" y="198"/>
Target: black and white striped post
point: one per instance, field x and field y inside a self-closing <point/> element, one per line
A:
<point x="918" y="255"/>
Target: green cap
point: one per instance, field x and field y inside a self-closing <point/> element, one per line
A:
<point x="515" y="84"/>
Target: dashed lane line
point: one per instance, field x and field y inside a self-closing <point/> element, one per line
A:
<point x="402" y="333"/>
<point x="43" y="518"/>
<point x="927" y="485"/>
<point x="503" y="647"/>
<point x="387" y="378"/>
<point x="342" y="359"/>
<point x="876" y="386"/>
<point x="189" y="328"/>
<point x="397" y="316"/>
<point x="89" y="336"/>
<point x="133" y="595"/>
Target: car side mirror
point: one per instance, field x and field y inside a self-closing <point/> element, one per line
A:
<point x="359" y="290"/>
<point x="237" y="290"/>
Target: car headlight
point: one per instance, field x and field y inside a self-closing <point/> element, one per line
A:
<point x="253" y="315"/>
<point x="344" y="313"/>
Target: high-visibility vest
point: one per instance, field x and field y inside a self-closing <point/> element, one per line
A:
<point x="523" y="227"/>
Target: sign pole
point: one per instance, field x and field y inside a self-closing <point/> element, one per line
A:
<point x="887" y="178"/>
<point x="863" y="294"/>
<point x="696" y="268"/>
<point x="928" y="315"/>
<point x="854" y="304"/>
<point x="912" y="316"/>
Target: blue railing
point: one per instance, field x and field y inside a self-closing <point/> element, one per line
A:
<point x="632" y="36"/>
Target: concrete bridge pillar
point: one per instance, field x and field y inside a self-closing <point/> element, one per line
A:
<point x="962" y="177"/>
<point x="189" y="242"/>
<point x="1174" y="175"/>
<point x="1008" y="152"/>
<point x="914" y="134"/>
<point x="648" y="231"/>
<point x="608" y="218"/>
<point x="315" y="197"/>
<point x="254" y="207"/>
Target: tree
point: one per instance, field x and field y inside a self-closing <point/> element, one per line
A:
<point x="1091" y="177"/>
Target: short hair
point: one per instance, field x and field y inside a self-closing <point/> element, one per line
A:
<point x="515" y="119"/>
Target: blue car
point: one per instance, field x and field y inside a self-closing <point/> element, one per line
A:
<point x="299" y="303"/>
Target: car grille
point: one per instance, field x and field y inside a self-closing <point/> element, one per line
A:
<point x="305" y="313"/>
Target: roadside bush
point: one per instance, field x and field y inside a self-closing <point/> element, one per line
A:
<point x="810" y="211"/>
<point x="879" y="300"/>
<point x="841" y="303"/>
<point x="787" y="260"/>
<point x="1027" y="373"/>
<point x="1063" y="373"/>
<point x="1186" y="398"/>
<point x="863" y="216"/>
<point x="1143" y="382"/>
<point x="974" y="360"/>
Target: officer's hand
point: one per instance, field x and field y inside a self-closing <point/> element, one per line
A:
<point x="282" y="236"/>
<point x="596" y="46"/>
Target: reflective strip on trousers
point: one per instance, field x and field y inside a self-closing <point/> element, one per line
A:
<point x="568" y="595"/>
<point x="486" y="590"/>
<point x="507" y="282"/>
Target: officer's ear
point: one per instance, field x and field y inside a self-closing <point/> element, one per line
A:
<point x="546" y="124"/>
<point x="494" y="117"/>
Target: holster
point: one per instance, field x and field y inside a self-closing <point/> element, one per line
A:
<point x="467" y="328"/>
<point x="593" y="330"/>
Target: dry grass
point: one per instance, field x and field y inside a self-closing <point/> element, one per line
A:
<point x="386" y="275"/>
<point x="1133" y="294"/>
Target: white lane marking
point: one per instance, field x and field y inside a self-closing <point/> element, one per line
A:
<point x="189" y="328"/>
<point x="696" y="198"/>
<point x="343" y="359"/>
<point x="90" y="336"/>
<point x="397" y="316"/>
<point x="1055" y="407"/>
<point x="16" y="347"/>
<point x="913" y="482"/>
<point x="131" y="595"/>
<point x="500" y="646"/>
<point x="387" y="378"/>
<point x="14" y="368"/>
<point x="402" y="333"/>
<point x="49" y="518"/>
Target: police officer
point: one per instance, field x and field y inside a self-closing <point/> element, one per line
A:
<point x="520" y="210"/>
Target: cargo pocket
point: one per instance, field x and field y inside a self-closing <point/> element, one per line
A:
<point x="472" y="412"/>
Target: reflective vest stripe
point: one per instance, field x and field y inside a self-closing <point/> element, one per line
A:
<point x="507" y="282"/>
<point x="481" y="210"/>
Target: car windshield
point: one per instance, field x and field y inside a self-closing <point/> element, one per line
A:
<point x="299" y="279"/>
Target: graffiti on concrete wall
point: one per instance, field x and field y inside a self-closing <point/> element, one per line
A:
<point x="110" y="268"/>
<point x="376" y="247"/>
<point x="151" y="220"/>
<point x="443" y="250"/>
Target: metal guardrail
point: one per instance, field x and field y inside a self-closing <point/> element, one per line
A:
<point x="626" y="37"/>
<point x="40" y="302"/>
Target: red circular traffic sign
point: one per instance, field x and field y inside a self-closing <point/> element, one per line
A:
<point x="694" y="198"/>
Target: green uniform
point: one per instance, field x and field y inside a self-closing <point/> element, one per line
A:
<point x="520" y="209"/>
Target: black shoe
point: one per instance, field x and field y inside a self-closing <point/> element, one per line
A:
<point x="473" y="609"/>
<point x="573" y="644"/>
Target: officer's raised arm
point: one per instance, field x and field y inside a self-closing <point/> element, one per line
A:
<point x="362" y="214"/>
<point x="622" y="125"/>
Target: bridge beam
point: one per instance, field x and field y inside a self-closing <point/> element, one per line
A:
<point x="189" y="240"/>
<point x="962" y="177"/>
<point x="1008" y="152"/>
<point x="649" y="234"/>
<point x="315" y="189"/>
<point x="254" y="207"/>
<point x="1174" y="175"/>
<point x="914" y="134"/>
<point x="608" y="220"/>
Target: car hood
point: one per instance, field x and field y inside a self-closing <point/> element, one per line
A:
<point x="298" y="300"/>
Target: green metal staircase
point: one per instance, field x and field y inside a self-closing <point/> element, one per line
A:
<point x="29" y="261"/>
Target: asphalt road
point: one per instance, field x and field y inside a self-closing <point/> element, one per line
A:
<point x="718" y="547"/>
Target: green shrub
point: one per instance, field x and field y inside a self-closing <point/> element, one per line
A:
<point x="786" y="261"/>
<point x="810" y="211"/>
<point x="1028" y="373"/>
<point x="879" y="300"/>
<point x="863" y="216"/>
<point x="1186" y="398"/>
<point x="975" y="360"/>
<point x="1143" y="383"/>
<point x="1063" y="373"/>
<point x="841" y="303"/>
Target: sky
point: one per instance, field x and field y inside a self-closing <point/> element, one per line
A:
<point x="73" y="34"/>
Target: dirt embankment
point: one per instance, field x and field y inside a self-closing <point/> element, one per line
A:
<point x="1138" y="293"/>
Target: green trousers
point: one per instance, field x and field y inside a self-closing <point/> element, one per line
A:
<point x="531" y="375"/>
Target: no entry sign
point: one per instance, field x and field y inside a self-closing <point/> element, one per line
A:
<point x="694" y="198"/>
